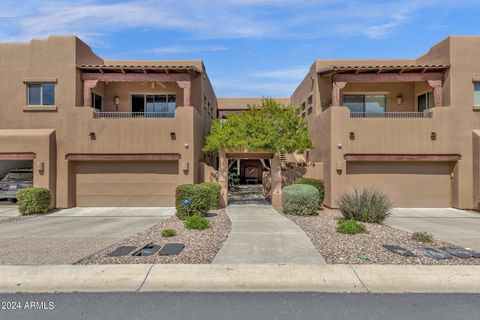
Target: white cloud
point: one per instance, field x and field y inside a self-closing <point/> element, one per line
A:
<point x="285" y="74"/>
<point x="185" y="49"/>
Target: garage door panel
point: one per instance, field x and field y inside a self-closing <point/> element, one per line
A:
<point x="412" y="184"/>
<point x="126" y="183"/>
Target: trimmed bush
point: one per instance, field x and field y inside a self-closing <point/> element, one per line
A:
<point x="199" y="194"/>
<point x="366" y="205"/>
<point x="33" y="200"/>
<point x="350" y="227"/>
<point x="422" y="237"/>
<point x="169" y="233"/>
<point x="214" y="195"/>
<point x="317" y="183"/>
<point x="196" y="222"/>
<point x="300" y="199"/>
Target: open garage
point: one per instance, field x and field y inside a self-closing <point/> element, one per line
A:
<point x="16" y="172"/>
<point x="410" y="184"/>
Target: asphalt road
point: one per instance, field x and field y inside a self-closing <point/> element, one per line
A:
<point x="242" y="306"/>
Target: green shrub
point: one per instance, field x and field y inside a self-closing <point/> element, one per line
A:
<point x="300" y="199"/>
<point x="366" y="205"/>
<point x="214" y="194"/>
<point x="350" y="227"/>
<point x="199" y="194"/>
<point x="196" y="222"/>
<point x="422" y="237"/>
<point x="317" y="183"/>
<point x="169" y="233"/>
<point x="33" y="200"/>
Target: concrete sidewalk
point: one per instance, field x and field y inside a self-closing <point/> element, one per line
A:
<point x="226" y="278"/>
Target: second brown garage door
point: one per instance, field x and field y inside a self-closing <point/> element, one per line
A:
<point x="410" y="184"/>
<point x="126" y="184"/>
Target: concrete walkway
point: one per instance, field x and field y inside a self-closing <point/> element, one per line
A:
<point x="8" y="211"/>
<point x="262" y="235"/>
<point x="458" y="227"/>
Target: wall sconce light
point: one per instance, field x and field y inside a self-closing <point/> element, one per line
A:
<point x="352" y="135"/>
<point x="40" y="166"/>
<point x="339" y="146"/>
<point x="399" y="99"/>
<point x="93" y="136"/>
<point x="116" y="101"/>
<point x="433" y="135"/>
<point x="186" y="145"/>
<point x="173" y="135"/>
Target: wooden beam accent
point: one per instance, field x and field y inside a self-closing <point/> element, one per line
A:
<point x="249" y="155"/>
<point x="18" y="156"/>
<point x="388" y="77"/>
<point x="402" y="157"/>
<point x="88" y="85"/>
<point x="123" y="157"/>
<point x="437" y="92"/>
<point x="185" y="85"/>
<point x="337" y="86"/>
<point x="138" y="77"/>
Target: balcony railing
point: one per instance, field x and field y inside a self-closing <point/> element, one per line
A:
<point x="390" y="114"/>
<point x="127" y="115"/>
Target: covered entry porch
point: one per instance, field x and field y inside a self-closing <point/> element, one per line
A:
<point x="229" y="159"/>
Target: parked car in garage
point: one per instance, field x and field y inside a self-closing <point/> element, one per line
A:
<point x="15" y="180"/>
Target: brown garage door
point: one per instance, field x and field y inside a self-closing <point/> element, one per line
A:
<point x="410" y="184"/>
<point x="131" y="184"/>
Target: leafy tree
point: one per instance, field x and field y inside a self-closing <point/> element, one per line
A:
<point x="269" y="127"/>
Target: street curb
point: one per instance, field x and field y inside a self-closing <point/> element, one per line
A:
<point x="240" y="278"/>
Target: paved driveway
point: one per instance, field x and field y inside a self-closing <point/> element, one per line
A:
<point x="69" y="235"/>
<point x="455" y="226"/>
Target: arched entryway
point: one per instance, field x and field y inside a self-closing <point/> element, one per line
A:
<point x="249" y="168"/>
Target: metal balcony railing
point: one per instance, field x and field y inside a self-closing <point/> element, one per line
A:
<point x="127" y="115"/>
<point x="390" y="115"/>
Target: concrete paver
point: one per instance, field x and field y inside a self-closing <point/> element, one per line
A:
<point x="452" y="225"/>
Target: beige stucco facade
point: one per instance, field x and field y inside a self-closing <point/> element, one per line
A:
<point x="421" y="160"/>
<point x="106" y="157"/>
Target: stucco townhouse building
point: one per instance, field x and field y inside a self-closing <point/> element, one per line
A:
<point x="126" y="133"/>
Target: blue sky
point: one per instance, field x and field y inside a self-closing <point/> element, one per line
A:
<point x="250" y="47"/>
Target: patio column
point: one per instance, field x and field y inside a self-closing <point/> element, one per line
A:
<point x="88" y="85"/>
<point x="185" y="85"/>
<point x="437" y="92"/>
<point x="276" y="177"/>
<point x="223" y="178"/>
<point x="337" y="86"/>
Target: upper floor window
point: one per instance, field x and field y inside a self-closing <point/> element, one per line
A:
<point x="425" y="101"/>
<point x="41" y="94"/>
<point x="476" y="97"/>
<point x="96" y="101"/>
<point x="365" y="102"/>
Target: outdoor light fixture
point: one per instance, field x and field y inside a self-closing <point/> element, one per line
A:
<point x="399" y="99"/>
<point x="116" y="101"/>
<point x="173" y="135"/>
<point x="352" y="135"/>
<point x="93" y="136"/>
<point x="433" y="135"/>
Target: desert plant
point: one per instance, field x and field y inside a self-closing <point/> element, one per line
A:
<point x="317" y="183"/>
<point x="215" y="190"/>
<point x="422" y="237"/>
<point x="350" y="227"/>
<point x="300" y="199"/>
<point x="33" y="200"/>
<point x="169" y="233"/>
<point x="366" y="205"/>
<point x="196" y="222"/>
<point x="199" y="196"/>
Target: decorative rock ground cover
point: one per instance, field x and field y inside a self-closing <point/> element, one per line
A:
<point x="201" y="246"/>
<point x="366" y="248"/>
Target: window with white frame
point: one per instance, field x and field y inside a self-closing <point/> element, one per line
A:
<point x="476" y="94"/>
<point x="41" y="94"/>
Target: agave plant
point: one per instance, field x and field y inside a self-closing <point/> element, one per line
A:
<point x="366" y="205"/>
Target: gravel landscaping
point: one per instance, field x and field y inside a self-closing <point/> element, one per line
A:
<point x="201" y="246"/>
<point x="339" y="248"/>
